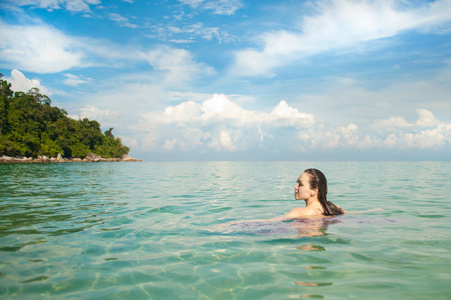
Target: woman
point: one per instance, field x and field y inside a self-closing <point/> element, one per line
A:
<point x="312" y="188"/>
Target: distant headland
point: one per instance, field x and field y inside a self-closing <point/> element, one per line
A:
<point x="31" y="130"/>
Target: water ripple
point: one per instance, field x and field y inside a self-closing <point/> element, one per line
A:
<point x="153" y="231"/>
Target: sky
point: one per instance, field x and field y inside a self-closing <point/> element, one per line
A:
<point x="243" y="80"/>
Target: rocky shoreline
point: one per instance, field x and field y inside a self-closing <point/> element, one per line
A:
<point x="59" y="159"/>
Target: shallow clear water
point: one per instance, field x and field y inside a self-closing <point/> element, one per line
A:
<point x="153" y="231"/>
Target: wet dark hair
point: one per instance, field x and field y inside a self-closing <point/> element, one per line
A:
<point x="319" y="181"/>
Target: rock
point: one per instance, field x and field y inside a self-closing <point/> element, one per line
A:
<point x="126" y="157"/>
<point x="92" y="157"/>
<point x="6" y="158"/>
<point x="22" y="159"/>
<point x="112" y="159"/>
<point x="42" y="158"/>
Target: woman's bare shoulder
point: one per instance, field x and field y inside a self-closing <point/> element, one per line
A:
<point x="300" y="212"/>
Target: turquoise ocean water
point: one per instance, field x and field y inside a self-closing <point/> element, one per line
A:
<point x="153" y="231"/>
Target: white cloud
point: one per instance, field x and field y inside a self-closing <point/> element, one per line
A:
<point x="192" y="3"/>
<point x="130" y="96"/>
<point x="44" y="49"/>
<point x="94" y="113"/>
<point x="192" y="138"/>
<point x="70" y="5"/>
<point x="219" y="124"/>
<point x="223" y="142"/>
<point x="219" y="7"/>
<point x="397" y="133"/>
<point x="373" y="106"/>
<point x="432" y="138"/>
<point x="412" y="136"/>
<point x="191" y="32"/>
<point x="179" y="64"/>
<point x="435" y="138"/>
<point x="219" y="108"/>
<point x="80" y="5"/>
<point x="181" y="114"/>
<point x="148" y="142"/>
<point x="40" y="49"/>
<point x="21" y="83"/>
<point x="289" y="116"/>
<point x="390" y="141"/>
<point x="341" y="137"/>
<point x="74" y="80"/>
<point x="169" y="145"/>
<point x="426" y="118"/>
<point x="198" y="124"/>
<point x="338" y="24"/>
<point x="223" y="7"/>
<point x="349" y="134"/>
<point x="121" y="20"/>
<point x="391" y="123"/>
<point x="130" y="142"/>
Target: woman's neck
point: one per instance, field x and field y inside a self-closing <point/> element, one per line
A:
<point x="312" y="201"/>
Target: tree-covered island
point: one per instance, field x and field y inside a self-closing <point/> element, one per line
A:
<point x="32" y="130"/>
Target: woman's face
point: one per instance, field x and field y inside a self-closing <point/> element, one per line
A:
<point x="302" y="189"/>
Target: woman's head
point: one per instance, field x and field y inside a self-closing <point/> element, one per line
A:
<point x="303" y="188"/>
<point x="318" y="183"/>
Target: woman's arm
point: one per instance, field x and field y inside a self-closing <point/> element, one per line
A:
<point x="275" y="219"/>
<point x="364" y="211"/>
<point x="293" y="214"/>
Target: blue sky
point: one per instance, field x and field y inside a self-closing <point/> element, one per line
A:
<point x="243" y="80"/>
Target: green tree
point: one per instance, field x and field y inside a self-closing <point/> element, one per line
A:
<point x="5" y="95"/>
<point x="30" y="126"/>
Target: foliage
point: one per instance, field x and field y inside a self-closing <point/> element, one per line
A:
<point x="30" y="126"/>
